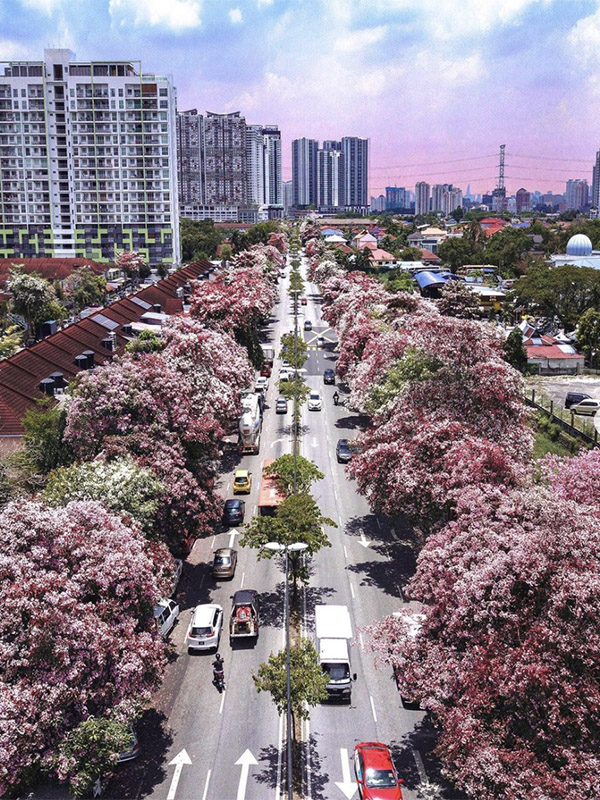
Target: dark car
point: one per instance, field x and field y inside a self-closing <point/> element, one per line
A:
<point x="573" y="398"/>
<point x="307" y="325"/>
<point x="343" y="452"/>
<point x="328" y="376"/>
<point x="233" y="513"/>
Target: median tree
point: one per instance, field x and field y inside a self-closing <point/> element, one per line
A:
<point x="288" y="470"/>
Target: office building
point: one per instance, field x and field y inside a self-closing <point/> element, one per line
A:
<point x="304" y="172"/>
<point x="577" y="194"/>
<point x="396" y="198"/>
<point x="422" y="198"/>
<point x="87" y="160"/>
<point x="356" y="172"/>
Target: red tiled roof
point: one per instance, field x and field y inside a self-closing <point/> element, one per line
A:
<point x="21" y="374"/>
<point x="50" y="268"/>
<point x="429" y="256"/>
<point x="549" y="351"/>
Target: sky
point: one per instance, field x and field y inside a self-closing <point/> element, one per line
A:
<point x="436" y="85"/>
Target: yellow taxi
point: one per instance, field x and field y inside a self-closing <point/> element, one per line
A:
<point x="242" y="481"/>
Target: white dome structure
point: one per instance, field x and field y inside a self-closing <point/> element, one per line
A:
<point x="579" y="245"/>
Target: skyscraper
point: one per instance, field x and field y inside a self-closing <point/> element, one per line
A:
<point x="438" y="202"/>
<point x="304" y="172"/>
<point x="595" y="198"/>
<point x="330" y="178"/>
<point x="226" y="159"/>
<point x="272" y="165"/>
<point x="87" y="160"/>
<point x="190" y="156"/>
<point x="523" y="200"/>
<point x="356" y="172"/>
<point x="577" y="194"/>
<point x="395" y="197"/>
<point x="421" y="198"/>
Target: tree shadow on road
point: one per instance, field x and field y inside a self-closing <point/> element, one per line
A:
<point x="351" y="423"/>
<point x="138" y="778"/>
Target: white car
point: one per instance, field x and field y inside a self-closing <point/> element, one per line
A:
<point x="177" y="570"/>
<point x="166" y="613"/>
<point x="261" y="384"/>
<point x="206" y="624"/>
<point x="314" y="402"/>
<point x="587" y="407"/>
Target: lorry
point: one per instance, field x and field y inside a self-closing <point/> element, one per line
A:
<point x="250" y="425"/>
<point x="244" y="620"/>
<point x="268" y="358"/>
<point x="333" y="629"/>
<point x="270" y="496"/>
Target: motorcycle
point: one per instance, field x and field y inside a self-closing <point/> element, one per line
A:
<point x="218" y="675"/>
<point x="336" y="399"/>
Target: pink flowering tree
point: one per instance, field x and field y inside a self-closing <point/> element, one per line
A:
<point x="279" y="241"/>
<point x="77" y="636"/>
<point x="131" y="263"/>
<point x="576" y="478"/>
<point x="506" y="657"/>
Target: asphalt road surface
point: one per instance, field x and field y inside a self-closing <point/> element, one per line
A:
<point x="199" y="744"/>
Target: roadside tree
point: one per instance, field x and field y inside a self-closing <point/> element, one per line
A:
<point x="588" y="335"/>
<point x="514" y="351"/>
<point x="457" y="300"/>
<point x="84" y="288"/>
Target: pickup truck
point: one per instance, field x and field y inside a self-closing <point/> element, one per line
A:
<point x="244" y="619"/>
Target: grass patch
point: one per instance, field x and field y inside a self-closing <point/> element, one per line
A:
<point x="543" y="444"/>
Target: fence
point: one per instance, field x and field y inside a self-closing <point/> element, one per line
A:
<point x="581" y="428"/>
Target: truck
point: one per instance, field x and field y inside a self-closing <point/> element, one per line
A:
<point x="270" y="496"/>
<point x="244" y="619"/>
<point x="268" y="358"/>
<point x="333" y="629"/>
<point x="250" y="425"/>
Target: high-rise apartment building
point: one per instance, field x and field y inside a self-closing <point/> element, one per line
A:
<point x="577" y="194"/>
<point x="190" y="157"/>
<point x="523" y="200"/>
<point x="330" y="178"/>
<point x="304" y="172"/>
<point x="395" y="197"/>
<point x="595" y="198"/>
<point x="287" y="196"/>
<point x="438" y="202"/>
<point x="356" y="172"/>
<point x="87" y="160"/>
<point x="422" y="198"/>
<point x="225" y="159"/>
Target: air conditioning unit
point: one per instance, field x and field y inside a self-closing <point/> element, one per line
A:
<point x="59" y="392"/>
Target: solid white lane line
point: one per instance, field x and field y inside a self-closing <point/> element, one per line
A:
<point x="352" y="591"/>
<point x="201" y="581"/>
<point x="360" y="639"/>
<point x="212" y="544"/>
<point x="243" y="579"/>
<point x="373" y="708"/>
<point x="222" y="702"/>
<point x="279" y="758"/>
<point x="378" y="523"/>
<point x="205" y="793"/>
<point x="345" y="552"/>
<point x="308" y="787"/>
<point x="419" y="763"/>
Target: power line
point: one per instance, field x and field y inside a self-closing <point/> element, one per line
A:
<point x="435" y="163"/>
<point x="551" y="158"/>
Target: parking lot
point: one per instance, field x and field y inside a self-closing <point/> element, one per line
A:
<point x="556" y="387"/>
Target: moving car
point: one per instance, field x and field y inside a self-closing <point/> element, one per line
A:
<point x="166" y="614"/>
<point x="575" y="397"/>
<point x="320" y="341"/>
<point x="261" y="384"/>
<point x="303" y="301"/>
<point x="281" y="405"/>
<point x="224" y="562"/>
<point x="586" y="407"/>
<point x="343" y="452"/>
<point x="233" y="513"/>
<point x="242" y="481"/>
<point x="244" y="619"/>
<point x="284" y="374"/>
<point x="376" y="775"/>
<point x="314" y="401"/>
<point x="204" y="631"/>
<point x="328" y="376"/>
<point x="307" y="325"/>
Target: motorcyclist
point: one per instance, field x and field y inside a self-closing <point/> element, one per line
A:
<point x="218" y="670"/>
<point x="336" y="398"/>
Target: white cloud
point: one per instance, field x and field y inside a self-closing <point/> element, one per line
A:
<point x="175" y="15"/>
<point x="235" y="16"/>
<point x="584" y="40"/>
<point x="45" y="6"/>
<point x="18" y="50"/>
<point x="261" y="3"/>
<point x="356" y="41"/>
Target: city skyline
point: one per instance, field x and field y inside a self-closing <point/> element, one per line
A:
<point x="435" y="87"/>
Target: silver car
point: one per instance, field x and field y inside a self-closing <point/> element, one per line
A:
<point x="587" y="407"/>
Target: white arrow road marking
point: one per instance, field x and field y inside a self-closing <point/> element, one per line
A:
<point x="180" y="759"/>
<point x="232" y="534"/>
<point x="363" y="540"/>
<point x="244" y="760"/>
<point x="347" y="786"/>
<point x="274" y="442"/>
<point x="419" y="763"/>
<point x="314" y="442"/>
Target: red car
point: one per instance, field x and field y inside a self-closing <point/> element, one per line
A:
<point x="376" y="775"/>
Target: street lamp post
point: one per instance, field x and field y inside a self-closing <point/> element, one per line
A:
<point x="295" y="547"/>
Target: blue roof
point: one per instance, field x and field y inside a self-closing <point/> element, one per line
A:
<point x="331" y="232"/>
<point x="429" y="280"/>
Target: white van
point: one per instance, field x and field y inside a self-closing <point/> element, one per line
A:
<point x="166" y="613"/>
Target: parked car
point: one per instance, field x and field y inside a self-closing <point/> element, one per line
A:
<point x="132" y="751"/>
<point x="575" y="397"/>
<point x="281" y="405"/>
<point x="166" y="614"/>
<point x="587" y="407"/>
<point x="314" y="402"/>
<point x="342" y="451"/>
<point x="376" y="775"/>
<point x="261" y="384"/>
<point x="233" y="512"/>
<point x="204" y="631"/>
<point x="224" y="562"/>
<point x="328" y="376"/>
<point x="242" y="481"/>
<point x="307" y="325"/>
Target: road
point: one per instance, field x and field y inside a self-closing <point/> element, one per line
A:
<point x="365" y="568"/>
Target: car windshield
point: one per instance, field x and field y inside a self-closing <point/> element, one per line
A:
<point x="314" y="397"/>
<point x="222" y="560"/>
<point x="202" y="631"/>
<point x="232" y="505"/>
<point x="337" y="672"/>
<point x="241" y="479"/>
<point x="380" y="778"/>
